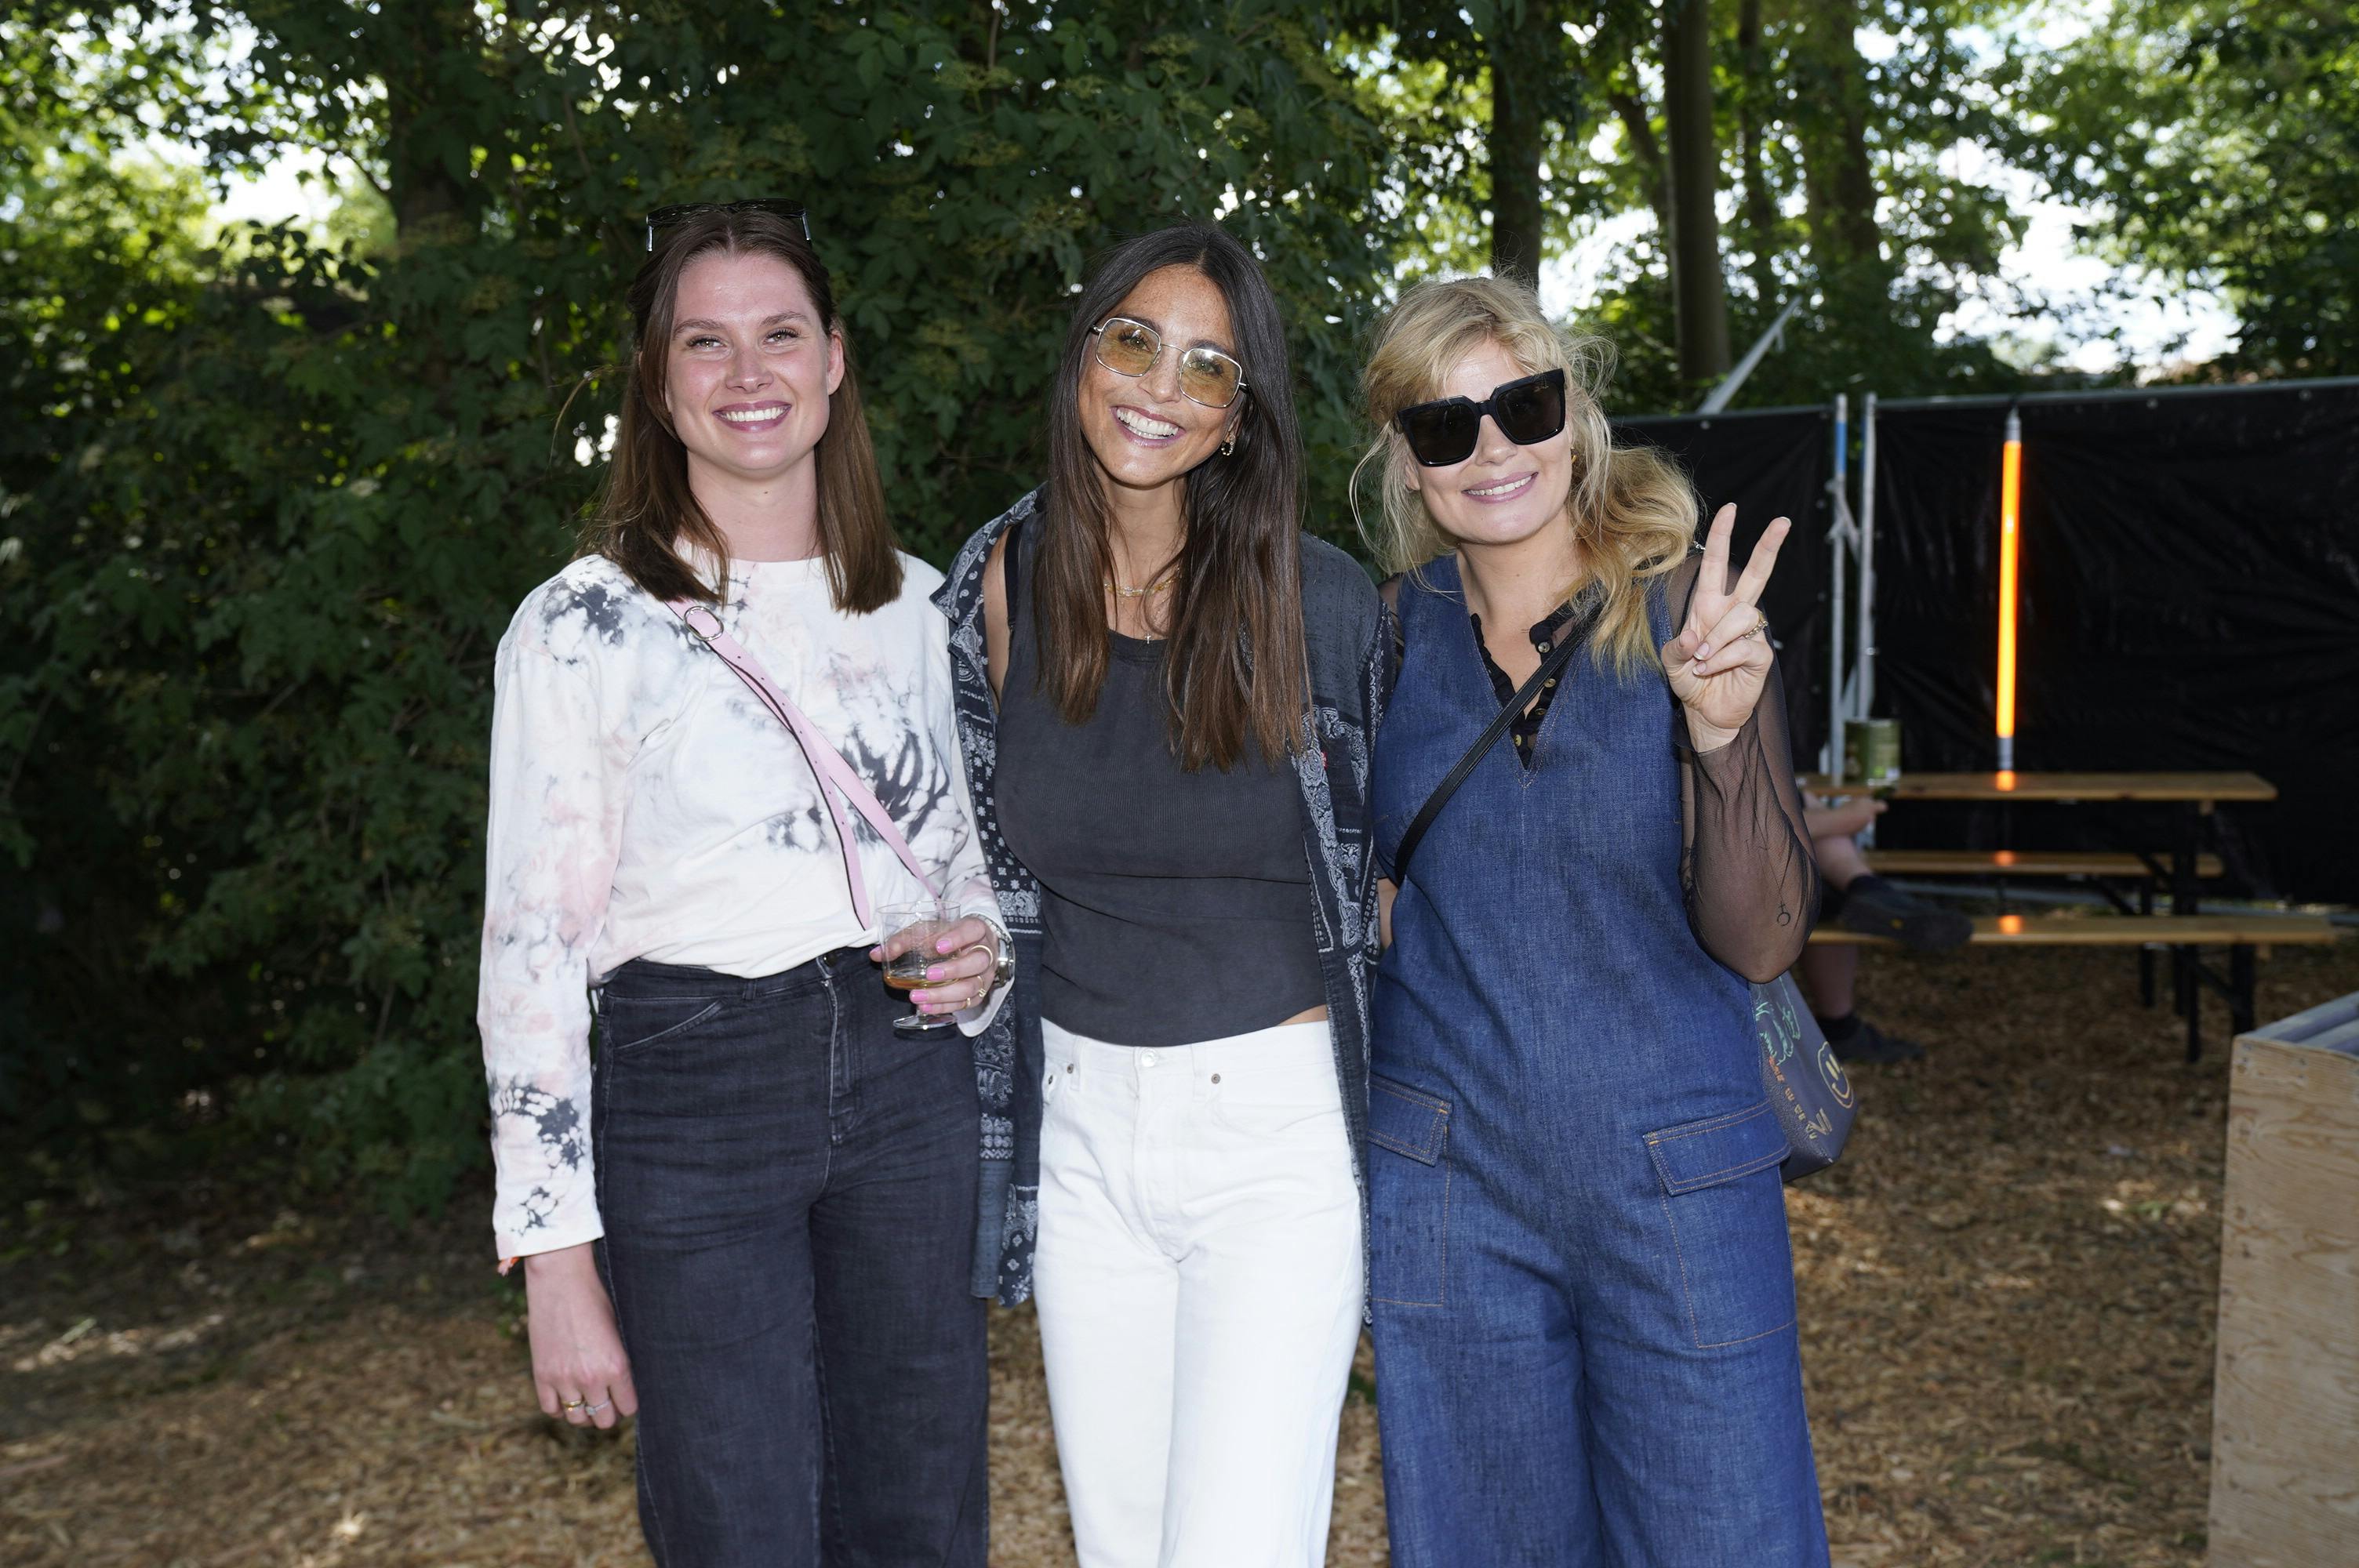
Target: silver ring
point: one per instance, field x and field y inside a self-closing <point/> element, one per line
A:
<point x="594" y="1410"/>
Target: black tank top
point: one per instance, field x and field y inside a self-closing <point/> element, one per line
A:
<point x="1175" y="907"/>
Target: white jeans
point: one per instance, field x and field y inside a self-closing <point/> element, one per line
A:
<point x="1198" y="1282"/>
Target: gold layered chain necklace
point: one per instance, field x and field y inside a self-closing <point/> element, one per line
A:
<point x="1157" y="586"/>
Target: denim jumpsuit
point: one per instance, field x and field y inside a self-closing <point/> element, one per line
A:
<point x="1583" y="1298"/>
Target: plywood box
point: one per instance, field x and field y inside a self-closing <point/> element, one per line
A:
<point x="2284" y="1409"/>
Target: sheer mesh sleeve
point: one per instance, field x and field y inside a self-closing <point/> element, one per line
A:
<point x="1752" y="884"/>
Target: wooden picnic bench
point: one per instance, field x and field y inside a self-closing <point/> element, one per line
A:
<point x="2246" y="936"/>
<point x="2105" y="871"/>
<point x="2094" y="864"/>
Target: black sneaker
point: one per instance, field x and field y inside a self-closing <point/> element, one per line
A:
<point x="1876" y="909"/>
<point x="1869" y="1044"/>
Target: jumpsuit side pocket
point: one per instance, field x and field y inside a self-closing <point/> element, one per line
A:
<point x="1725" y="1211"/>
<point x="1409" y="1196"/>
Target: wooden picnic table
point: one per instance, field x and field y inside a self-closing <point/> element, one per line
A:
<point x="2203" y="790"/>
<point x="2197" y="794"/>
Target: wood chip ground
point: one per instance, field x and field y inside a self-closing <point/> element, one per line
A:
<point x="2007" y="1298"/>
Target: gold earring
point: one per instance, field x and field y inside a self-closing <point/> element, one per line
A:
<point x="1230" y="445"/>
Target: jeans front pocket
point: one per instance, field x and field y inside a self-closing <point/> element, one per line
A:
<point x="1725" y="1210"/>
<point x="628" y="1023"/>
<point x="1409" y="1194"/>
<point x="1299" y="1099"/>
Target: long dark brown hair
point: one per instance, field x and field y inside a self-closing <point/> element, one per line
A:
<point x="647" y="510"/>
<point x="1235" y="672"/>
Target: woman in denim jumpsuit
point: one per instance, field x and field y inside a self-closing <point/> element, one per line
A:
<point x="1583" y="1299"/>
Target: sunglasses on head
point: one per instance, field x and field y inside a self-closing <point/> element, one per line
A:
<point x="672" y="217"/>
<point x="1446" y="430"/>
<point x="1207" y="376"/>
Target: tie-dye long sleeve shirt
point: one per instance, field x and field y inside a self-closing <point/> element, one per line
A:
<point x="644" y="806"/>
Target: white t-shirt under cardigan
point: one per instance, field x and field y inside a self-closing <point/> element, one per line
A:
<point x="644" y="806"/>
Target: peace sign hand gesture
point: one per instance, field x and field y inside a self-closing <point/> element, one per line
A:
<point x="1722" y="657"/>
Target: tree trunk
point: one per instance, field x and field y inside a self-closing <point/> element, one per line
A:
<point x="432" y="205"/>
<point x="1521" y="59"/>
<point x="1760" y="207"/>
<point x="1838" y="183"/>
<point x="1639" y="126"/>
<point x="1699" y="291"/>
<point x="428" y="200"/>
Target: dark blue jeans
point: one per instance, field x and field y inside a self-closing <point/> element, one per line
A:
<point x="789" y="1188"/>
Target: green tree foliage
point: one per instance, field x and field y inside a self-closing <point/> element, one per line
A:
<point x="1479" y="93"/>
<point x="269" y="502"/>
<point x="1846" y="186"/>
<point x="2220" y="139"/>
<point x="1847" y="191"/>
<point x="101" y="258"/>
<point x="268" y="495"/>
<point x="1443" y="78"/>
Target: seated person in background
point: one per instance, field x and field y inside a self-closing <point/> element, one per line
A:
<point x="1858" y="900"/>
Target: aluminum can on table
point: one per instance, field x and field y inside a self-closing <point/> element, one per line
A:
<point x="1872" y="751"/>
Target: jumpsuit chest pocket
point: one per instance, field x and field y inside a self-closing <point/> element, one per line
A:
<point x="1409" y="1196"/>
<point x="1724" y="1211"/>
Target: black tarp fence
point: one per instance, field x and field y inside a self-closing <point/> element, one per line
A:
<point x="2189" y="600"/>
<point x="1772" y="462"/>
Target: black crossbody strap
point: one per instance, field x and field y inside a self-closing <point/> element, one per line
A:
<point x="1551" y="666"/>
<point x="1010" y="575"/>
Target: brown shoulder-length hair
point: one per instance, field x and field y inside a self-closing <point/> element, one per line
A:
<point x="1236" y="671"/>
<point x="647" y="511"/>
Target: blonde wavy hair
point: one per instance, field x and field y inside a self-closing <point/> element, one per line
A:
<point x="1633" y="510"/>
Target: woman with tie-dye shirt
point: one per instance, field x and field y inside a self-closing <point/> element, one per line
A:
<point x="750" y="1220"/>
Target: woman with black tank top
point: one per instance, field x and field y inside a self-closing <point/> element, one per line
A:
<point x="1165" y="694"/>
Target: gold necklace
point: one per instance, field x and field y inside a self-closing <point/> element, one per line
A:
<point x="1157" y="586"/>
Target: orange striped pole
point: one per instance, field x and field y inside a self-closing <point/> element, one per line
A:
<point x="2010" y="511"/>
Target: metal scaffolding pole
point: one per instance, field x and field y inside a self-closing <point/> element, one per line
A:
<point x="1863" y="686"/>
<point x="1842" y="539"/>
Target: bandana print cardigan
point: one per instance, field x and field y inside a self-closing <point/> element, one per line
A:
<point x="1348" y="631"/>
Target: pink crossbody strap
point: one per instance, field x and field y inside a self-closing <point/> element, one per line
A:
<point x="825" y="759"/>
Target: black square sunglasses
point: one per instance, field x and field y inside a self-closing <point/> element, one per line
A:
<point x="1447" y="431"/>
<point x="664" y="218"/>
